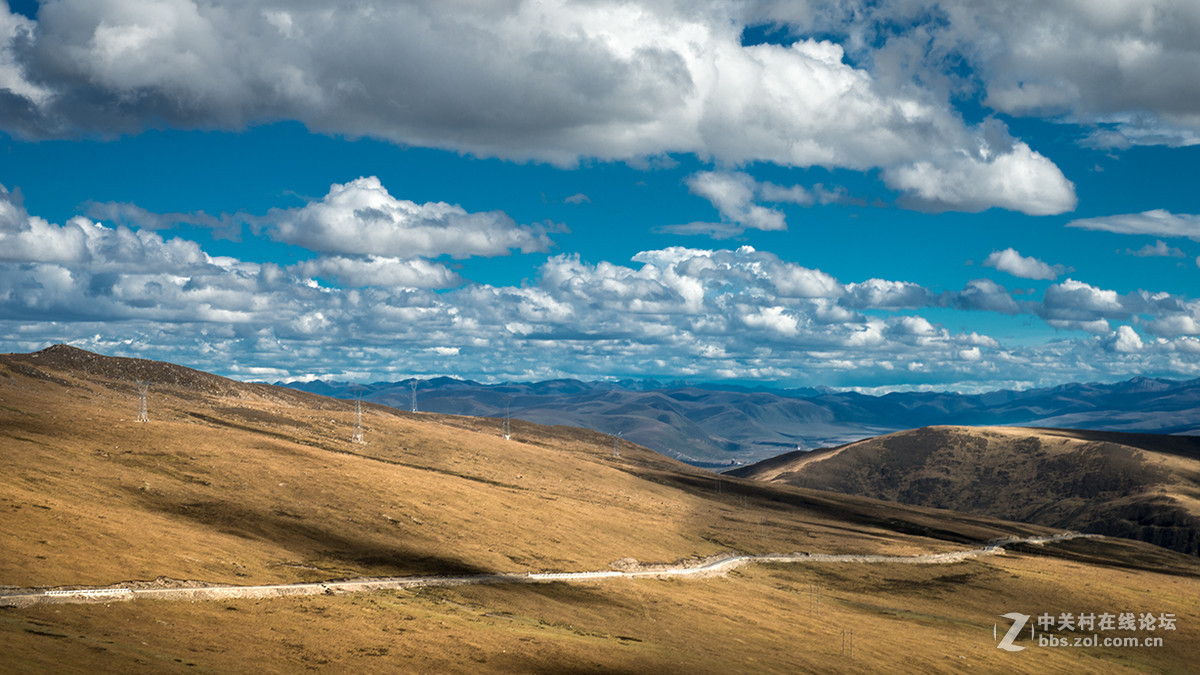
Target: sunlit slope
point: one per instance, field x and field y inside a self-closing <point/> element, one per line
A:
<point x="250" y="483"/>
<point x="247" y="484"/>
<point x="1140" y="486"/>
<point x="760" y="619"/>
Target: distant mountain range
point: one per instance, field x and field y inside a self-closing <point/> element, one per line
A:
<point x="717" y="426"/>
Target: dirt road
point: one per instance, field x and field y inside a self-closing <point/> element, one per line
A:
<point x="27" y="596"/>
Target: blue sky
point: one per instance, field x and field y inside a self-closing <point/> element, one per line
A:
<point x="896" y="195"/>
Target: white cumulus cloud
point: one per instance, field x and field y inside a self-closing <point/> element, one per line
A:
<point x="361" y="217"/>
<point x="985" y="295"/>
<point x="1018" y="179"/>
<point x="883" y="293"/>
<point x="1074" y="300"/>
<point x="1126" y="340"/>
<point x="1012" y="262"/>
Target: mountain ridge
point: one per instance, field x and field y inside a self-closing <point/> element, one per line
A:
<point x="707" y="425"/>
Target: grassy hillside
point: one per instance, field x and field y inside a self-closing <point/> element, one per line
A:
<point x="1141" y="486"/>
<point x="251" y="484"/>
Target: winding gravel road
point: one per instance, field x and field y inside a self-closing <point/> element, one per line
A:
<point x="27" y="596"/>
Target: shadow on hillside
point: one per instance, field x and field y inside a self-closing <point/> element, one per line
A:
<point x="544" y="595"/>
<point x="937" y="524"/>
<point x="1118" y="552"/>
<point x="947" y="527"/>
<point x="310" y="540"/>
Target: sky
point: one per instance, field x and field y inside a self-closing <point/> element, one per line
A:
<point x="906" y="195"/>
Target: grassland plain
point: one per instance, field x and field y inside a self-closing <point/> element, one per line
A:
<point x="251" y="484"/>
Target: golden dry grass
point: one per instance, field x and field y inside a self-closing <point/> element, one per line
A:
<point x="261" y="489"/>
<point x="249" y="484"/>
<point x="759" y="619"/>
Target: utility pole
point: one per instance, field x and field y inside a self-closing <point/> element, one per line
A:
<point x="143" y="411"/>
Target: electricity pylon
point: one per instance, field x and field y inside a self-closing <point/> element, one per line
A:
<point x="507" y="426"/>
<point x="358" y="433"/>
<point x="143" y="410"/>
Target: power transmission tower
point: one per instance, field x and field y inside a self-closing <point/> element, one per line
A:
<point x="413" y="384"/>
<point x="143" y="410"/>
<point x="617" y="444"/>
<point x="358" y="432"/>
<point x="507" y="426"/>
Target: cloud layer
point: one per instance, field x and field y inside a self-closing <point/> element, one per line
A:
<point x="386" y="282"/>
<point x="1121" y="68"/>
<point x="683" y="312"/>
<point x="554" y="81"/>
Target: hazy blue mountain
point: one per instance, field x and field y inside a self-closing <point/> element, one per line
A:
<point x="717" y="425"/>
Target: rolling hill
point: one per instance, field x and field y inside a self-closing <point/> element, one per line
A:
<point x="249" y="484"/>
<point x="714" y="427"/>
<point x="1141" y="486"/>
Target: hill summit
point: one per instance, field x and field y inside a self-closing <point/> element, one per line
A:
<point x="1140" y="486"/>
